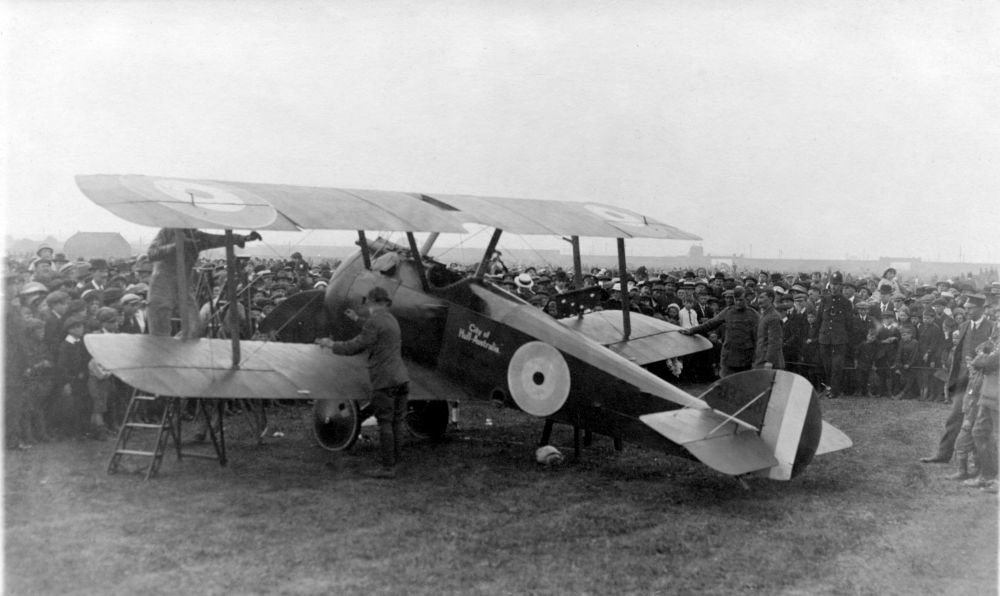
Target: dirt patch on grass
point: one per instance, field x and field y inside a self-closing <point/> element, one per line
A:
<point x="474" y="515"/>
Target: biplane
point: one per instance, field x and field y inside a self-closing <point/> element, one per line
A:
<point x="464" y="337"/>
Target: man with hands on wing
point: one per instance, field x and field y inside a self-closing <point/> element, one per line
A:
<point x="380" y="337"/>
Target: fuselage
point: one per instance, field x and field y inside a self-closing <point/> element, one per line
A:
<point x="500" y="347"/>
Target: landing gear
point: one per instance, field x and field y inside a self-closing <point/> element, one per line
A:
<point x="427" y="419"/>
<point x="337" y="424"/>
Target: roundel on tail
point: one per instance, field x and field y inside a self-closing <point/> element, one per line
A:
<point x="538" y="378"/>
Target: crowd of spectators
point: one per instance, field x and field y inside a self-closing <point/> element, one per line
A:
<point x="53" y="389"/>
<point x="897" y="335"/>
<point x="867" y="336"/>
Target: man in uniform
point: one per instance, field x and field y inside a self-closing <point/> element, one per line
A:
<point x="164" y="289"/>
<point x="770" y="341"/>
<point x="834" y="315"/>
<point x="380" y="336"/>
<point x="741" y="334"/>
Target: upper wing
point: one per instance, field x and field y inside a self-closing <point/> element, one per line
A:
<point x="211" y="204"/>
<point x="560" y="218"/>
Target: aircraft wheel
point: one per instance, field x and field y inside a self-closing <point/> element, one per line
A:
<point x="336" y="424"/>
<point x="427" y="419"/>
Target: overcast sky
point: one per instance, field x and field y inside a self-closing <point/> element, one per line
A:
<point x="812" y="129"/>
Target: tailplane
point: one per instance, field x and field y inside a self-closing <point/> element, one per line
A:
<point x="761" y="421"/>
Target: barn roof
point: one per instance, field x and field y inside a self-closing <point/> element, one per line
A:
<point x="91" y="245"/>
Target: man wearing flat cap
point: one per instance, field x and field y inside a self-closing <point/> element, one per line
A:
<point x="973" y="332"/>
<point x="850" y="292"/>
<point x="130" y="323"/>
<point x="862" y="341"/>
<point x="931" y="343"/>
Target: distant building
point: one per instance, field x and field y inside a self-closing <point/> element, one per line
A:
<point x="92" y="245"/>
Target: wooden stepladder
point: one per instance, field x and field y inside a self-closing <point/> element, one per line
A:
<point x="144" y="441"/>
<point x="151" y="437"/>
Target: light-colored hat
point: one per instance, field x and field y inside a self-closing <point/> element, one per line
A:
<point x="524" y="281"/>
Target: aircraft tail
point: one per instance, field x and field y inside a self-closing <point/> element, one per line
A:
<point x="761" y="421"/>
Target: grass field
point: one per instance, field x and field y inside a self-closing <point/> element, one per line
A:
<point x="475" y="515"/>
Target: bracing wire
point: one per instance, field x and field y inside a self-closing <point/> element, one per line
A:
<point x="275" y="333"/>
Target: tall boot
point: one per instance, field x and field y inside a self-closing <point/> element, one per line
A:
<point x="962" y="467"/>
<point x="386" y="444"/>
<point x="387" y="454"/>
<point x="398" y="428"/>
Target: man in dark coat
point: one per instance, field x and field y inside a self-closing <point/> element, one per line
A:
<point x="58" y="303"/>
<point x="833" y="318"/>
<point x="768" y="352"/>
<point x="931" y="342"/>
<point x="130" y="323"/>
<point x="862" y="343"/>
<point x="380" y="336"/>
<point x="885" y="303"/>
<point x="741" y="334"/>
<point x="976" y="330"/>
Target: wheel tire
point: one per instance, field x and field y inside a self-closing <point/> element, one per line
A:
<point x="427" y="419"/>
<point x="337" y="425"/>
